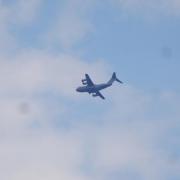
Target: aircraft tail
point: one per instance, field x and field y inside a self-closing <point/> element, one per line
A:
<point x="114" y="78"/>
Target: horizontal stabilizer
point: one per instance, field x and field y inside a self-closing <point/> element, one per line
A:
<point x="114" y="78"/>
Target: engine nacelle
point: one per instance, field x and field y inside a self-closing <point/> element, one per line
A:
<point x="94" y="95"/>
<point x="84" y="81"/>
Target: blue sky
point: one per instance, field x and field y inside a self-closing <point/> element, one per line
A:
<point x="48" y="131"/>
<point x="131" y="41"/>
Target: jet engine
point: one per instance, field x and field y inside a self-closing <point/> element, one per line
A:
<point x="84" y="81"/>
<point x="94" y="95"/>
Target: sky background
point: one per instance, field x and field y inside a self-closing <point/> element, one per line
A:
<point x="48" y="131"/>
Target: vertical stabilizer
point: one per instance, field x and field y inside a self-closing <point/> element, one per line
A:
<point x="114" y="78"/>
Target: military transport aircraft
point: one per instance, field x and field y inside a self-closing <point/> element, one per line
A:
<point x="94" y="89"/>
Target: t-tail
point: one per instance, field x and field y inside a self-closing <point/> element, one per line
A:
<point x="114" y="78"/>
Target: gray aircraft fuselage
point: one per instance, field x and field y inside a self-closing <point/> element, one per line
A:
<point x="94" y="88"/>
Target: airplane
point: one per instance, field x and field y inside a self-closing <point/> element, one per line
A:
<point x="94" y="89"/>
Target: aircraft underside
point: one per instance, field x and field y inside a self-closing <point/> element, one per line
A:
<point x="94" y="89"/>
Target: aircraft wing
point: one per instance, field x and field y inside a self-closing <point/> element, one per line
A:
<point x="100" y="95"/>
<point x="89" y="81"/>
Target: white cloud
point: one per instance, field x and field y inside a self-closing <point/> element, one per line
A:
<point x="6" y="38"/>
<point x="39" y="152"/>
<point x="35" y="71"/>
<point x="126" y="147"/>
<point x="127" y="138"/>
<point x="20" y="11"/>
<point x="13" y="15"/>
<point x="73" y="23"/>
<point x="25" y="12"/>
<point x="42" y="155"/>
<point x="30" y="73"/>
<point x="133" y="131"/>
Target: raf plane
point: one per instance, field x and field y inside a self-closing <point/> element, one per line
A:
<point x="94" y="89"/>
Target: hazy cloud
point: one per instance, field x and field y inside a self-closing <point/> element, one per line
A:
<point x="145" y="7"/>
<point x="17" y="14"/>
<point x="134" y="135"/>
<point x="25" y="12"/>
<point x="73" y="23"/>
<point x="34" y="71"/>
